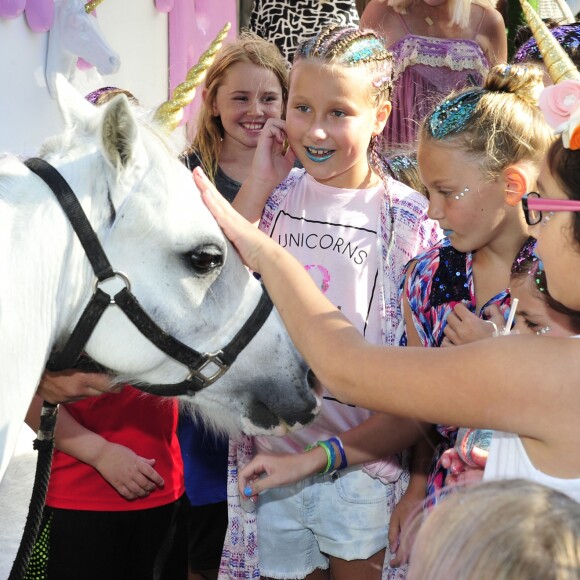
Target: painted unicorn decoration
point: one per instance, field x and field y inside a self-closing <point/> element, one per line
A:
<point x="76" y="34"/>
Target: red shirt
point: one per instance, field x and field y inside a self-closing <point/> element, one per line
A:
<point x="145" y="424"/>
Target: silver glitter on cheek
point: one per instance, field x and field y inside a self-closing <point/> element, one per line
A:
<point x="462" y="193"/>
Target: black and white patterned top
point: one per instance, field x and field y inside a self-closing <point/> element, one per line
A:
<point x="289" y="22"/>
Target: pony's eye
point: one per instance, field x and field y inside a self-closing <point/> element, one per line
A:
<point x="205" y="259"/>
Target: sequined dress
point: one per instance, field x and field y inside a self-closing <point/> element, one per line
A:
<point x="426" y="70"/>
<point x="442" y="277"/>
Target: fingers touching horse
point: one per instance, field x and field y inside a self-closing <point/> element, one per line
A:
<point x="148" y="214"/>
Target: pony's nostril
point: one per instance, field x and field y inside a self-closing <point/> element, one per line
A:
<point x="311" y="379"/>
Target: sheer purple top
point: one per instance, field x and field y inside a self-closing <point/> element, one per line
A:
<point x="427" y="69"/>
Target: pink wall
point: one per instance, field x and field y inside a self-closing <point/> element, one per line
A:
<point x="193" y="24"/>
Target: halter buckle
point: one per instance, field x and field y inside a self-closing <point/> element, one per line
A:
<point x="115" y="274"/>
<point x="210" y="359"/>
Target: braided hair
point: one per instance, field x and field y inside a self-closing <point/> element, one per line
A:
<point x="350" y="46"/>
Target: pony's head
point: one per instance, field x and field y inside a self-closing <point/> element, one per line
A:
<point x="154" y="228"/>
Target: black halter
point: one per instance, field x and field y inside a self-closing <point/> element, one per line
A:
<point x="204" y="369"/>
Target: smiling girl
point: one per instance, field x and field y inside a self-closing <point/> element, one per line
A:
<point x="246" y="85"/>
<point x="353" y="229"/>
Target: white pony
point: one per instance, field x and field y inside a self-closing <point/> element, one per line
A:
<point x="76" y="34"/>
<point x="153" y="226"/>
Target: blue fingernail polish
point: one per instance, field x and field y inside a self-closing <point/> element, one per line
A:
<point x="248" y="490"/>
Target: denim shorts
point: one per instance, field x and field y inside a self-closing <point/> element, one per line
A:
<point x="345" y="515"/>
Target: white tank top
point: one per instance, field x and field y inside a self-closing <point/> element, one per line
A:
<point x="508" y="460"/>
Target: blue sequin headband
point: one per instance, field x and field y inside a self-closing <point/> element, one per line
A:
<point x="452" y="114"/>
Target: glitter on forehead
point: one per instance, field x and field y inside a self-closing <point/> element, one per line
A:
<point x="452" y="114"/>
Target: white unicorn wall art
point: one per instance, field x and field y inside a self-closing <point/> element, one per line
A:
<point x="153" y="226"/>
<point x="76" y="34"/>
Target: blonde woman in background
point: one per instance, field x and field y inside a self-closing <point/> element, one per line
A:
<point x="439" y="46"/>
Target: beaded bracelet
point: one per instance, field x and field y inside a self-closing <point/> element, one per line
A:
<point x="340" y="446"/>
<point x="330" y="454"/>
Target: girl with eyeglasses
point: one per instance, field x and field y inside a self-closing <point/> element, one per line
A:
<point x="525" y="388"/>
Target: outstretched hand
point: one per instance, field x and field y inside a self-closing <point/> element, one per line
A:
<point x="248" y="240"/>
<point x="267" y="471"/>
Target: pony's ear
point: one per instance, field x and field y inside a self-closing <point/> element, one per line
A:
<point x="119" y="132"/>
<point x="74" y="107"/>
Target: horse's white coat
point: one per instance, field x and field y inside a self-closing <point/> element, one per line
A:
<point x="109" y="157"/>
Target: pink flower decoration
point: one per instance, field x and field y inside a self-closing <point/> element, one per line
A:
<point x="559" y="102"/>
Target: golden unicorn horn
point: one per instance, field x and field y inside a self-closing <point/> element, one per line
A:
<point x="558" y="63"/>
<point x="170" y="113"/>
<point x="92" y="5"/>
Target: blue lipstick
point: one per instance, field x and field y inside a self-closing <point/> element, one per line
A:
<point x="317" y="158"/>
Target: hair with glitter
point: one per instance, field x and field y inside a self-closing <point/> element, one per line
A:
<point x="459" y="10"/>
<point x="350" y="46"/>
<point x="209" y="131"/>
<point x="528" y="266"/>
<point x="568" y="37"/>
<point x="403" y="167"/>
<point x="105" y="94"/>
<point x="499" y="124"/>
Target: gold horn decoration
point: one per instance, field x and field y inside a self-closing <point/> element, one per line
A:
<point x="558" y="63"/>
<point x="92" y="5"/>
<point x="170" y="113"/>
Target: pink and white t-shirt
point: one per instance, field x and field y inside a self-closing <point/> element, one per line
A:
<point x="333" y="233"/>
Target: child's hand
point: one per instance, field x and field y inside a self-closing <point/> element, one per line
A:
<point x="463" y="326"/>
<point x="131" y="475"/>
<point x="400" y="517"/>
<point x="273" y="159"/>
<point x="459" y="471"/>
<point x="267" y="471"/>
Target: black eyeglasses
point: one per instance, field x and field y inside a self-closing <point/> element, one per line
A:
<point x="534" y="205"/>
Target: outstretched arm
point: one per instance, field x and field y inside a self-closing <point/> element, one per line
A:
<point x="506" y="383"/>
<point x="378" y="437"/>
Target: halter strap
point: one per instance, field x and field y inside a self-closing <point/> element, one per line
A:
<point x="195" y="361"/>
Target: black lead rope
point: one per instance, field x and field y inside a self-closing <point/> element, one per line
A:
<point x="44" y="444"/>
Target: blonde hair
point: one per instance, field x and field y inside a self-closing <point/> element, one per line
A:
<point x="500" y="530"/>
<point x="499" y="125"/>
<point x="459" y="10"/>
<point x="247" y="48"/>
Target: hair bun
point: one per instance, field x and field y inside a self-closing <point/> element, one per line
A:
<point x="523" y="81"/>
